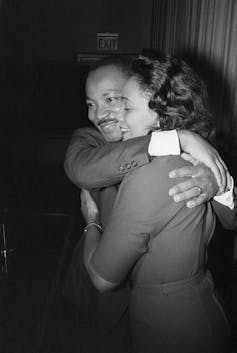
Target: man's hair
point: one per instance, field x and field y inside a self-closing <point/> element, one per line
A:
<point x="178" y="94"/>
<point x="123" y="62"/>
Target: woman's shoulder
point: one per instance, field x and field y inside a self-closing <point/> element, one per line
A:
<point x="156" y="173"/>
<point x="147" y="187"/>
<point x="168" y="162"/>
<point x="162" y="165"/>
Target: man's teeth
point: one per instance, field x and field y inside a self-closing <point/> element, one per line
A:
<point x="123" y="128"/>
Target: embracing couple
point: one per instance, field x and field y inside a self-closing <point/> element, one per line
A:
<point x="142" y="230"/>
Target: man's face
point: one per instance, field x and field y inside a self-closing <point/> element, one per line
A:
<point x="104" y="100"/>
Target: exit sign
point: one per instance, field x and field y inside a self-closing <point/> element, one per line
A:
<point x="107" y="41"/>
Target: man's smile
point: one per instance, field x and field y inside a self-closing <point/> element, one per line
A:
<point x="107" y="124"/>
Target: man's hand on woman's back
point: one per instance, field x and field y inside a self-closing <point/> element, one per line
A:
<point x="200" y="187"/>
<point x="208" y="176"/>
<point x="197" y="148"/>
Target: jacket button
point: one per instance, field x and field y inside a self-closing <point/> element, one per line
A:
<point x="128" y="166"/>
<point x="121" y="169"/>
<point x="134" y="163"/>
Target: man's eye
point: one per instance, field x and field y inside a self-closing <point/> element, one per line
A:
<point x="112" y="100"/>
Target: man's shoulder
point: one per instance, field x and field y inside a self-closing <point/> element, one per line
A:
<point x="88" y="133"/>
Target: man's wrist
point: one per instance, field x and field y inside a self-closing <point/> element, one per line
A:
<point x="164" y="143"/>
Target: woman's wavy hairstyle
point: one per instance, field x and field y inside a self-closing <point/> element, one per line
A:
<point x="178" y="94"/>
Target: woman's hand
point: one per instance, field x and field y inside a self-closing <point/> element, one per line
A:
<point x="198" y="148"/>
<point x="89" y="208"/>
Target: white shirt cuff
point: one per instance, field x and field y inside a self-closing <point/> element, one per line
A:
<point x="164" y="143"/>
<point x="227" y="199"/>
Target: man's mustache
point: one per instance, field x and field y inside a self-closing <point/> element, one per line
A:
<point x="107" y="120"/>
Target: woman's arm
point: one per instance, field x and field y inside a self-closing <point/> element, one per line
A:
<point x="92" y="240"/>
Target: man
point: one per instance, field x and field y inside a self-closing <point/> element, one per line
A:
<point x="94" y="164"/>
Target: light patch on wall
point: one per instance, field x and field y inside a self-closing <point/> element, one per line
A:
<point x="107" y="41"/>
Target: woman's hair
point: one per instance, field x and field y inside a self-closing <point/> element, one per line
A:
<point x="178" y="94"/>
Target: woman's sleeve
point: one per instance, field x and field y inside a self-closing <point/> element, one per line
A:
<point x="139" y="212"/>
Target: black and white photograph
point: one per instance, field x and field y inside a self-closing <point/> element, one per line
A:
<point x="118" y="178"/>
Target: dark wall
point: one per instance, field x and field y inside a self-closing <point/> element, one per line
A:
<point x="49" y="29"/>
<point x="41" y="89"/>
<point x="34" y="33"/>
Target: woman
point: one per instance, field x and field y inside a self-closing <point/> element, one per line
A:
<point x="160" y="246"/>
